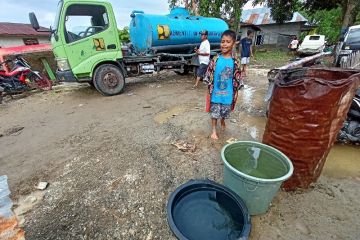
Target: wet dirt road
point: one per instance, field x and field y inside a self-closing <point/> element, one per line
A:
<point x="111" y="163"/>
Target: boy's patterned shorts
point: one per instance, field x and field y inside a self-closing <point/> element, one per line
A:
<point x="219" y="111"/>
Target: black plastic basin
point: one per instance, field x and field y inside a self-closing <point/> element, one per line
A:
<point x="203" y="209"/>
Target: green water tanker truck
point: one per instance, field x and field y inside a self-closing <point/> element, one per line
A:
<point x="87" y="47"/>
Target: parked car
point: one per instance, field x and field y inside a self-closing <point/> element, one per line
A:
<point x="349" y="43"/>
<point x="312" y="44"/>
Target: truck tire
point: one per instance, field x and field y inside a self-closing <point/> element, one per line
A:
<point x="109" y="80"/>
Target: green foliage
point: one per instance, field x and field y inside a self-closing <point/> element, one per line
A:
<point x="314" y="6"/>
<point x="281" y="10"/>
<point x="327" y="15"/>
<point x="124" y="35"/>
<point x="357" y="21"/>
<point x="329" y="23"/>
<point x="229" y="10"/>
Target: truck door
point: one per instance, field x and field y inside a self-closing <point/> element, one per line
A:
<point x="88" y="33"/>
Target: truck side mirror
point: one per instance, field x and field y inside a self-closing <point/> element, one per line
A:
<point x="34" y="22"/>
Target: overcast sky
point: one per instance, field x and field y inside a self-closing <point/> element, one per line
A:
<point x="17" y="11"/>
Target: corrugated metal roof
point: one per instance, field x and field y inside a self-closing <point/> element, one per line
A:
<point x="21" y="29"/>
<point x="260" y="16"/>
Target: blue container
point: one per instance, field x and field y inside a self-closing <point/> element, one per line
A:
<point x="177" y="28"/>
<point x="203" y="209"/>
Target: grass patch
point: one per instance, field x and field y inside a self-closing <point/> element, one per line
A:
<point x="270" y="59"/>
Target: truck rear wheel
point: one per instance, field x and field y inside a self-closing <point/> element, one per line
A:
<point x="109" y="80"/>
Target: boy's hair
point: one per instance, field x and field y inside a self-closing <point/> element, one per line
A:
<point x="249" y="32"/>
<point x="229" y="33"/>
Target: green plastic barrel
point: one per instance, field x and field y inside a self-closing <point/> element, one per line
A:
<point x="255" y="171"/>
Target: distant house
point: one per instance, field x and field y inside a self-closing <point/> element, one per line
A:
<point x="267" y="31"/>
<point x="17" y="34"/>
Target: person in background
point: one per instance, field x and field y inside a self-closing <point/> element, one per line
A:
<point x="293" y="45"/>
<point x="223" y="77"/>
<point x="246" y="51"/>
<point x="204" y="57"/>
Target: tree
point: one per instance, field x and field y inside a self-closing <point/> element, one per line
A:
<point x="124" y="34"/>
<point x="282" y="10"/>
<point x="328" y="22"/>
<point x="225" y="9"/>
<point x="320" y="11"/>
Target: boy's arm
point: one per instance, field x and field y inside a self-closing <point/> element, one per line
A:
<point x="237" y="80"/>
<point x="208" y="78"/>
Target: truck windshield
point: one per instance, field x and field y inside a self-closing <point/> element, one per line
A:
<point x="57" y="17"/>
<point x="353" y="36"/>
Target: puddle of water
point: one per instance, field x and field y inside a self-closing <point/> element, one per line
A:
<point x="247" y="94"/>
<point x="254" y="125"/>
<point x="254" y="132"/>
<point x="165" y="116"/>
<point x="251" y="97"/>
<point x="343" y="161"/>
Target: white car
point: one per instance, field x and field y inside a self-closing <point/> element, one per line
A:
<point x="312" y="44"/>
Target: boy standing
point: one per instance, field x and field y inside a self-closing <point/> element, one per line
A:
<point x="246" y="50"/>
<point x="204" y="57"/>
<point x="223" y="77"/>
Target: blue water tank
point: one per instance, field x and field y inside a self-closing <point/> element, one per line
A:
<point x="177" y="28"/>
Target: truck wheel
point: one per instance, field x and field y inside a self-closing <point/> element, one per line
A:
<point x="109" y="80"/>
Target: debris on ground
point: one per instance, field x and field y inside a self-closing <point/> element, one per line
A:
<point x="42" y="185"/>
<point x="231" y="140"/>
<point x="27" y="203"/>
<point x="233" y="121"/>
<point x="12" y="131"/>
<point x="184" y="146"/>
<point x="147" y="106"/>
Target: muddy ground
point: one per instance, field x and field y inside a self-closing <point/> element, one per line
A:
<point x="111" y="165"/>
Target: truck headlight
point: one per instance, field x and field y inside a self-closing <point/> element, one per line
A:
<point x="63" y="64"/>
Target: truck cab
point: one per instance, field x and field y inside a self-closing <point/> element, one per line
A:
<point x="86" y="45"/>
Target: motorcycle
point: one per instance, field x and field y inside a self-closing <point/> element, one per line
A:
<point x="350" y="132"/>
<point x="21" y="78"/>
